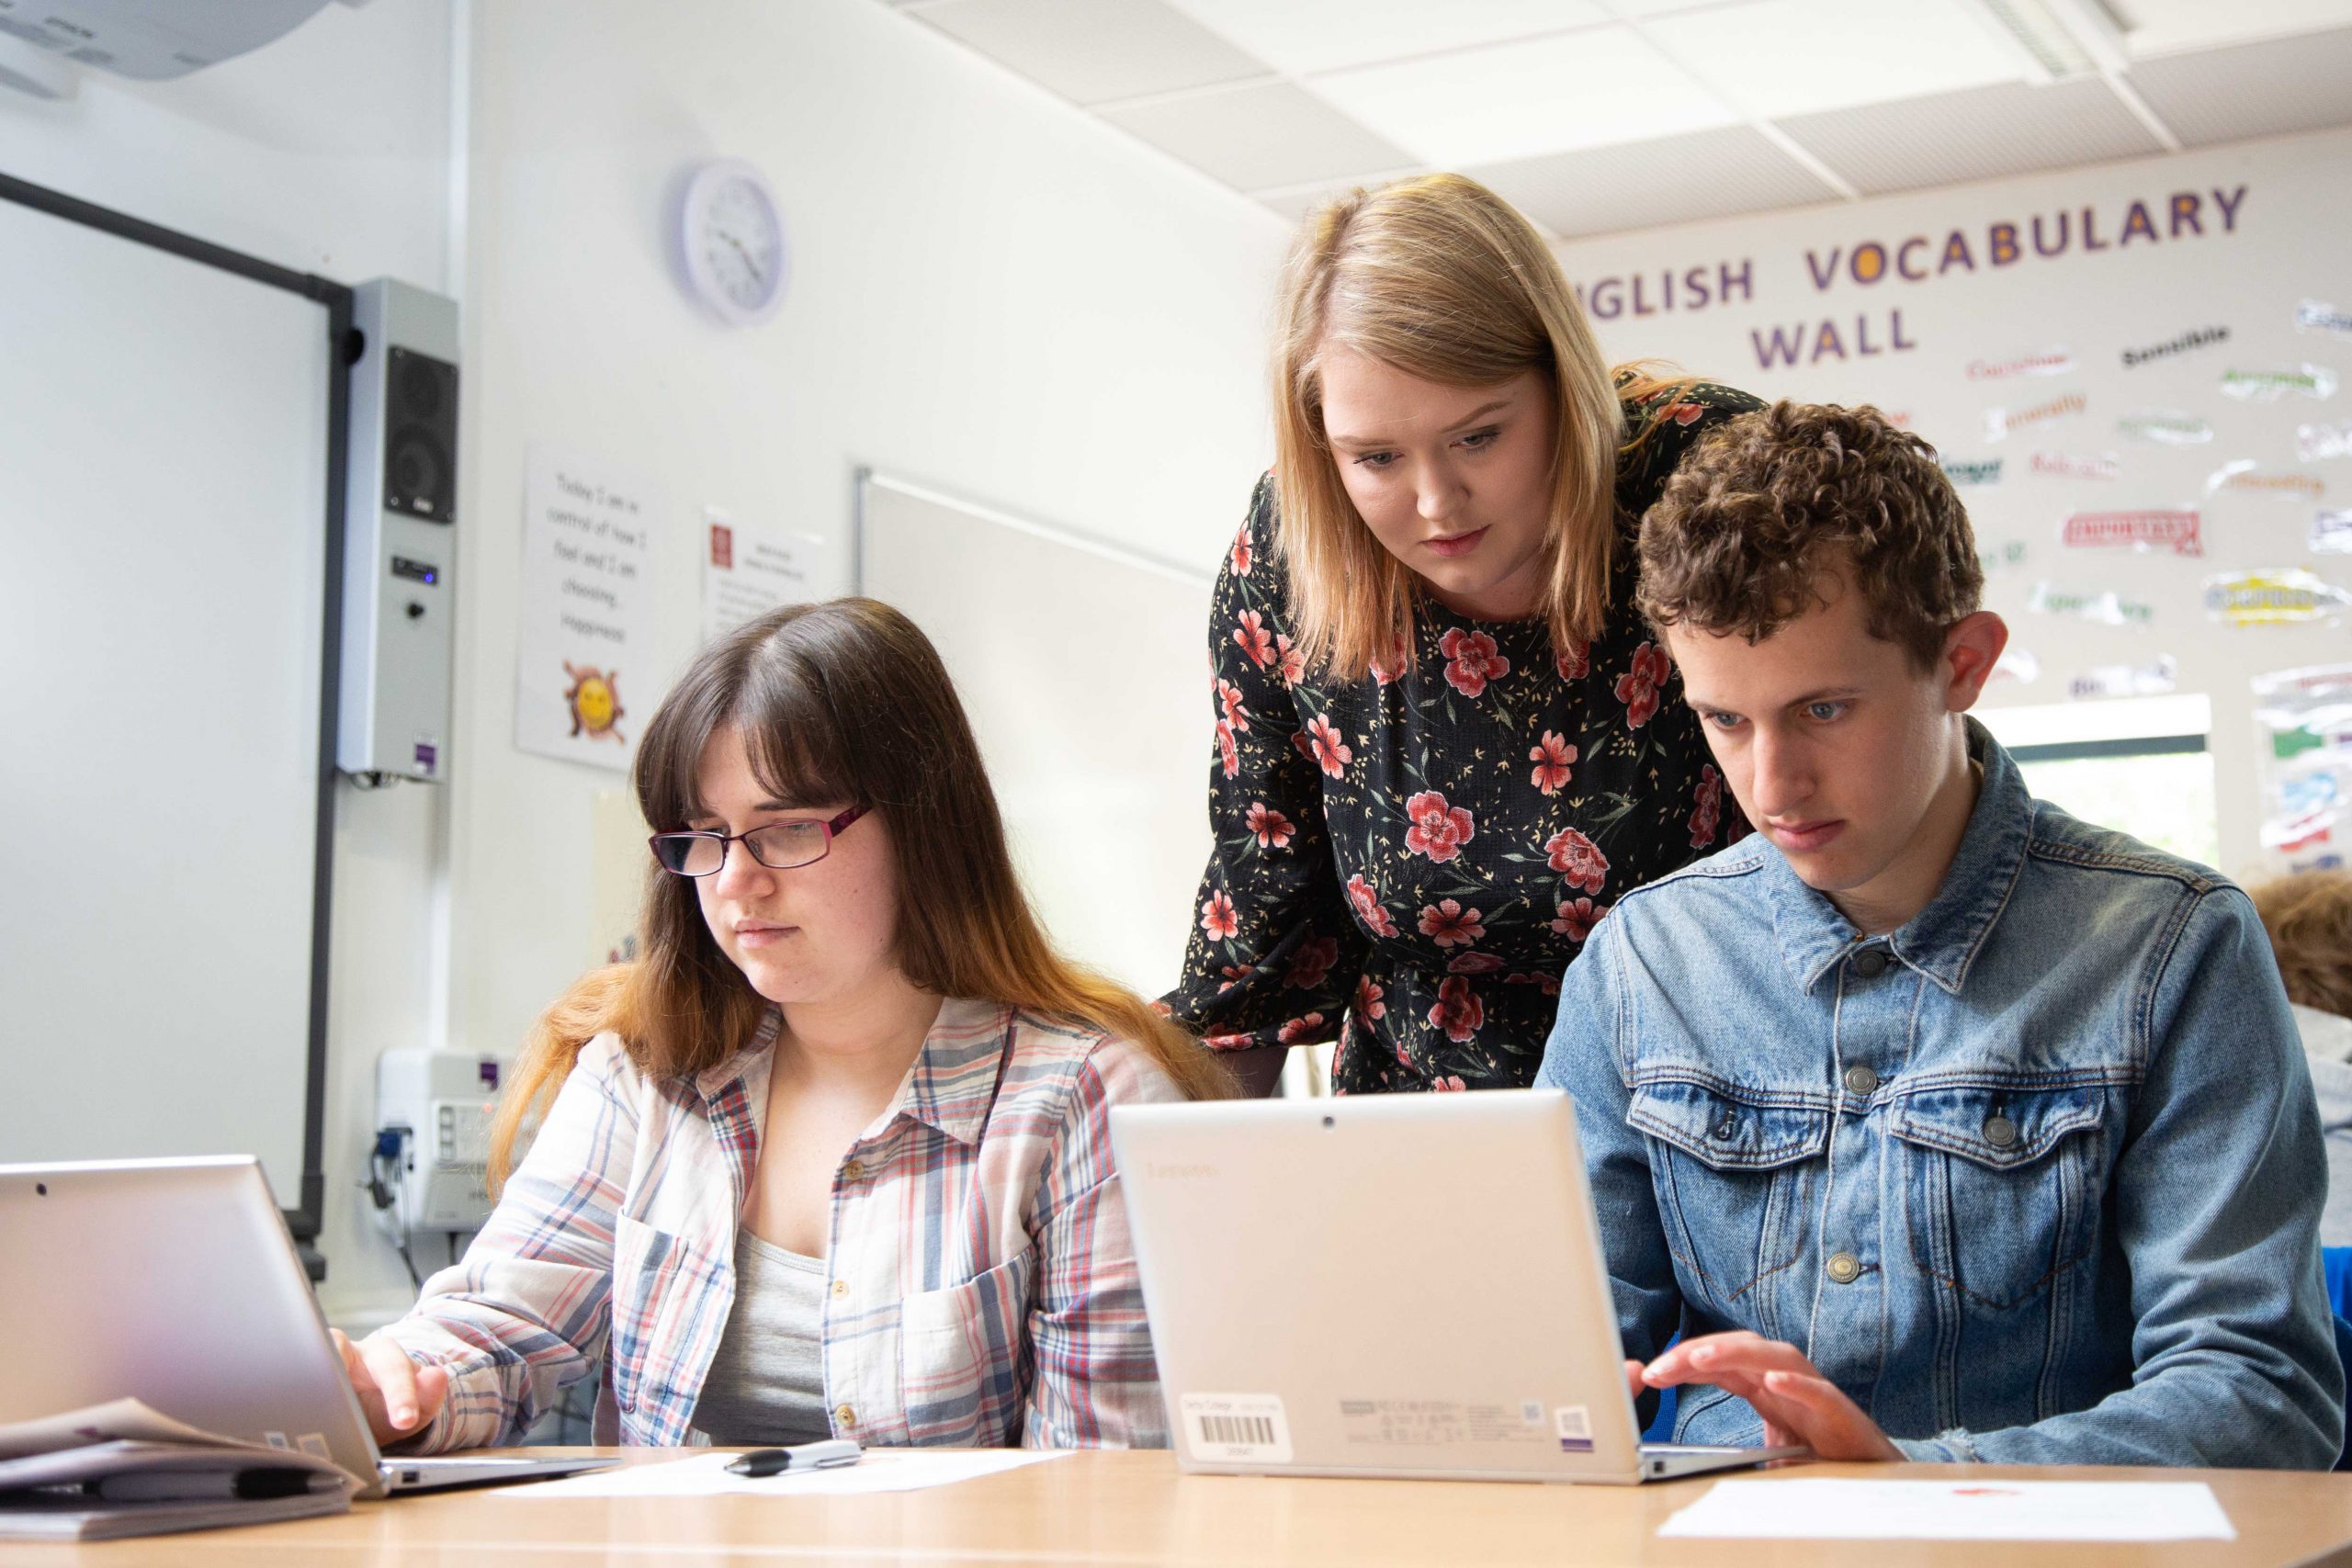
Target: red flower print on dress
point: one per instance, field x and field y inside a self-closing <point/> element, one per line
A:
<point x="1452" y="1084"/>
<point x="1320" y="743"/>
<point x="1241" y="553"/>
<point x="1216" y="917"/>
<point x="1682" y="413"/>
<point x="1388" y="666"/>
<point x="1234" y="974"/>
<point x="1577" y="859"/>
<point x="1237" y="714"/>
<point x="1551" y="756"/>
<point x="1368" y="909"/>
<point x="1229" y="1041"/>
<point x="1298" y="1028"/>
<point x="1473" y="963"/>
<point x="1292" y="661"/>
<point x="1162" y="1008"/>
<point x="1254" y="637"/>
<point x="1368" y="1004"/>
<point x="1446" y="923"/>
<point x="1439" y="831"/>
<point x="1638" y="690"/>
<point x="1577" y="920"/>
<point x="1312" y="962"/>
<point x="1574" y="661"/>
<point x="1457" y="1013"/>
<point x="1472" y="661"/>
<point x="1708" y="814"/>
<point x="1273" y="829"/>
<point x="1229" y="755"/>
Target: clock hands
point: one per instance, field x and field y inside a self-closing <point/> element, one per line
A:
<point x="759" y="274"/>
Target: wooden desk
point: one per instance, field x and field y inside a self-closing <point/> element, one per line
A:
<point x="1138" y="1508"/>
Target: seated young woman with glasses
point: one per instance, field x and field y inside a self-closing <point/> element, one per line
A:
<point x="832" y="1157"/>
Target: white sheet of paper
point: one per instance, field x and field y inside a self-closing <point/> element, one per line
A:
<point x="1955" y="1511"/>
<point x="585" y="676"/>
<point x="705" y="1475"/>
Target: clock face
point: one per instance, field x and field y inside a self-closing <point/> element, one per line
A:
<point x="734" y="242"/>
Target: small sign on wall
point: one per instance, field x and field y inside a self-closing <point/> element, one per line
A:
<point x="748" y="570"/>
<point x="585" y="633"/>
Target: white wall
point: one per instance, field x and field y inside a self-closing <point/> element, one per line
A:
<point x="991" y="291"/>
<point x="1924" y="329"/>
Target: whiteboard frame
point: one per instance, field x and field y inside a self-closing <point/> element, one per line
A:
<point x="302" y="1220"/>
<point x="865" y="476"/>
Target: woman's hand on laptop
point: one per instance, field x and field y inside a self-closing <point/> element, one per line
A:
<point x="1799" y="1406"/>
<point x="398" y="1395"/>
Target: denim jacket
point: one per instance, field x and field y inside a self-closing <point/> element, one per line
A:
<point x="2034" y="1179"/>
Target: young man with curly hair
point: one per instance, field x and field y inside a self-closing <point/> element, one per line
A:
<point x="1939" y="1124"/>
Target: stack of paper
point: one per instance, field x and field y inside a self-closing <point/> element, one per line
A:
<point x="123" y="1469"/>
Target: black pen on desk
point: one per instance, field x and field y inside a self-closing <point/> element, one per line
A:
<point x="830" y="1454"/>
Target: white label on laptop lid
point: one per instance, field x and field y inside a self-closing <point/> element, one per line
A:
<point x="1248" y="1428"/>
<point x="1439" y="1423"/>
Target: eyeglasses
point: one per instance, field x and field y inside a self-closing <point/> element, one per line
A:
<point x="779" y="846"/>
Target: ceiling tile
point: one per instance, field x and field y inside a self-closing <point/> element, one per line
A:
<point x="1674" y="179"/>
<point x="1091" y="52"/>
<point x="1253" y="138"/>
<point x="2256" y="89"/>
<point x="2168" y="26"/>
<point x="1300" y="36"/>
<point x="1518" y="100"/>
<point x="1784" y="57"/>
<point x="1982" y="133"/>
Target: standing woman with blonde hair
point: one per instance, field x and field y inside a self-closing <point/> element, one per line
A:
<point x="1445" y="742"/>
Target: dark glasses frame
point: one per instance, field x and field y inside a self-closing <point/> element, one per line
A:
<point x="684" y="842"/>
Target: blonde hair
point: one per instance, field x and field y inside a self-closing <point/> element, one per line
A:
<point x="2309" y="918"/>
<point x="844" y="701"/>
<point x="1441" y="278"/>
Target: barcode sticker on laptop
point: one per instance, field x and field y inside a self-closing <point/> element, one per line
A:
<point x="1575" y="1428"/>
<point x="1246" y="1427"/>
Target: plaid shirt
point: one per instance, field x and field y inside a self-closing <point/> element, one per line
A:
<point x="983" y="1288"/>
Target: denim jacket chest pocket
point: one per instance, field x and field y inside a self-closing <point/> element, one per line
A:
<point x="2000" y="1184"/>
<point x="1735" y="1171"/>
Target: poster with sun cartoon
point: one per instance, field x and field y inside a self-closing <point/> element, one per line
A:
<point x="585" y="644"/>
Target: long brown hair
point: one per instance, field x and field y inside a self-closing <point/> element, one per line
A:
<point x="842" y="701"/>
<point x="1439" y="277"/>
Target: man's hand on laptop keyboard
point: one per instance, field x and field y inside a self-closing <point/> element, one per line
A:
<point x="398" y="1395"/>
<point x="1799" y="1406"/>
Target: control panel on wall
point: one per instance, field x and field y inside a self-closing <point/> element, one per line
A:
<point x="399" y="519"/>
<point x="432" y="1158"/>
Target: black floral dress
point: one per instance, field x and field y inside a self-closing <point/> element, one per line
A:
<point x="1409" y="862"/>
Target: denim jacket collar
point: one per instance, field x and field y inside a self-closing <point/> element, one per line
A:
<point x="1943" y="939"/>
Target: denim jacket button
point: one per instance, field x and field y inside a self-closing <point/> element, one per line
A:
<point x="1726" y="1126"/>
<point x="2000" y="1131"/>
<point x="1845" y="1267"/>
<point x="1860" y="1080"/>
<point x="1870" y="962"/>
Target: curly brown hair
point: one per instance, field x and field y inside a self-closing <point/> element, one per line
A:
<point x="2309" y="918"/>
<point x="1769" y="502"/>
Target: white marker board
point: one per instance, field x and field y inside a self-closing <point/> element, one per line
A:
<point x="1084" y="668"/>
<point x="163" y="484"/>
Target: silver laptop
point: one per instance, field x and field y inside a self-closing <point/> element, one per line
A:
<point x="1385" y="1285"/>
<point x="175" y="1282"/>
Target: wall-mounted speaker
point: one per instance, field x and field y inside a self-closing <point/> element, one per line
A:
<point x="399" y="528"/>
